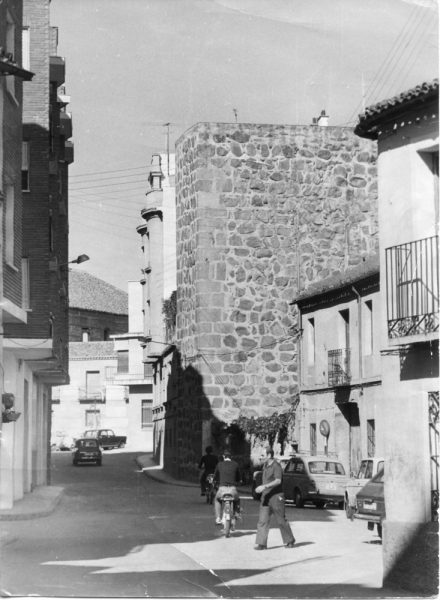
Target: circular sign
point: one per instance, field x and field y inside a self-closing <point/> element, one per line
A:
<point x="324" y="428"/>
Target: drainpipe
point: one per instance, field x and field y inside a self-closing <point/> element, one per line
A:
<point x="360" y="329"/>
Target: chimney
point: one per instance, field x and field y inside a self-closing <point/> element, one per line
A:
<point x="322" y="120"/>
<point x="156" y="175"/>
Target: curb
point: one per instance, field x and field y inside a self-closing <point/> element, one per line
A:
<point x="47" y="508"/>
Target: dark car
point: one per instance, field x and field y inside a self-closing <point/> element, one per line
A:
<point x="87" y="450"/>
<point x="370" y="502"/>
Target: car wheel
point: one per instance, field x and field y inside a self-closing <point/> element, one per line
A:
<point x="75" y="463"/>
<point x="299" y="502"/>
<point x="121" y="445"/>
<point x="320" y="504"/>
<point x="341" y="505"/>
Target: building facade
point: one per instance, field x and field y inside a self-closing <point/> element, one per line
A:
<point x="406" y="130"/>
<point x="93" y="398"/>
<point x="34" y="295"/>
<point x="339" y="366"/>
<point x="134" y="374"/>
<point x="262" y="212"/>
<point x="158" y="235"/>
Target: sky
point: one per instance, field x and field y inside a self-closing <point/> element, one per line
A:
<point x="134" y="65"/>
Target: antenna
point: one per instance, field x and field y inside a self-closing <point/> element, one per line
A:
<point x="167" y="125"/>
<point x="235" y="111"/>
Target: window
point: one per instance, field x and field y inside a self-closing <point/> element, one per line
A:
<point x="10" y="48"/>
<point x="93" y="419"/>
<point x="344" y="329"/>
<point x="310" y="341"/>
<point x="110" y="372"/>
<point x="93" y="384"/>
<point x="367" y="337"/>
<point x="300" y="467"/>
<point x="371" y="437"/>
<point x="9" y="224"/>
<point x="25" y="149"/>
<point x="313" y="438"/>
<point x="122" y="361"/>
<point x="85" y="334"/>
<point x="25" y="284"/>
<point x="26" y="48"/>
<point x="106" y="334"/>
<point x="147" y="413"/>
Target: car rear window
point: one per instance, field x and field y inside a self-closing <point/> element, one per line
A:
<point x="321" y="467"/>
<point x="88" y="444"/>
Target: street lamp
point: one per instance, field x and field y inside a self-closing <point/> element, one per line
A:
<point x="54" y="266"/>
<point x="81" y="258"/>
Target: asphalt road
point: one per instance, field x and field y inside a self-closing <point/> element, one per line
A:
<point x="118" y="533"/>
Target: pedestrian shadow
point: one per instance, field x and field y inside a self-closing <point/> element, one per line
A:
<point x="297" y="545"/>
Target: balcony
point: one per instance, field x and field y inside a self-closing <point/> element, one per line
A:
<point x="91" y="396"/>
<point x="339" y="367"/>
<point x="412" y="288"/>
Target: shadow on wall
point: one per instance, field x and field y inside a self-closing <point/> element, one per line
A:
<point x="415" y="569"/>
<point x="189" y="425"/>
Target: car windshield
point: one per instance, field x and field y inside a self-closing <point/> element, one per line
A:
<point x="88" y="444"/>
<point x="366" y="470"/>
<point x="323" y="467"/>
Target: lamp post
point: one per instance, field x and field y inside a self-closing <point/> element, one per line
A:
<point x="54" y="266"/>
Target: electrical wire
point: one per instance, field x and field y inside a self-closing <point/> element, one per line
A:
<point x="111" y="171"/>
<point x="381" y="79"/>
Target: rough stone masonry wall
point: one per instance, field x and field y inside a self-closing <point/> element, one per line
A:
<point x="262" y="211"/>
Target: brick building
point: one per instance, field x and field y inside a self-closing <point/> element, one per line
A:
<point x="35" y="284"/>
<point x="263" y="211"/>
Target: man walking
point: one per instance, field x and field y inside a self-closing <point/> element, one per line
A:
<point x="272" y="503"/>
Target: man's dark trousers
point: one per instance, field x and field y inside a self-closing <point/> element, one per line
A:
<point x="275" y="506"/>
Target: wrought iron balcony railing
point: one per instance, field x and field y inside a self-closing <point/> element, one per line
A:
<point x="412" y="288"/>
<point x="339" y="367"/>
<point x="91" y="396"/>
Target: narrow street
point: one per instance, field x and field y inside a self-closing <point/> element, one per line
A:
<point x="116" y="532"/>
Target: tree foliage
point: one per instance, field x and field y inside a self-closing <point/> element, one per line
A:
<point x="268" y="429"/>
<point x="169" y="310"/>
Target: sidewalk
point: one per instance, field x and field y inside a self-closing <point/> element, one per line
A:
<point x="156" y="472"/>
<point x="38" y="503"/>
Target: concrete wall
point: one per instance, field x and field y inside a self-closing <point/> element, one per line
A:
<point x="407" y="212"/>
<point x="262" y="211"/>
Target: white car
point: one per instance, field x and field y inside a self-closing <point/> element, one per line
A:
<point x="369" y="468"/>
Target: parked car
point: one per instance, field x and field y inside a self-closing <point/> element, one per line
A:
<point x="316" y="479"/>
<point x="368" y="468"/>
<point x="60" y="440"/>
<point x="257" y="477"/>
<point x="107" y="438"/>
<point x="87" y="450"/>
<point x="370" y="502"/>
